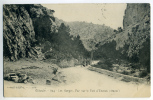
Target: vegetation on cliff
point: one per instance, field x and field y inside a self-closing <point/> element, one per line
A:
<point x="31" y="31"/>
<point x="131" y="46"/>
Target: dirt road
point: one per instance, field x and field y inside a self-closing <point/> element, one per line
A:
<point x="80" y="83"/>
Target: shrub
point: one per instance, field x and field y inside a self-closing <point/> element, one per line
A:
<point x="105" y="65"/>
<point x="125" y="73"/>
<point x="125" y="80"/>
<point x="133" y="71"/>
<point x="143" y="74"/>
<point x="135" y="76"/>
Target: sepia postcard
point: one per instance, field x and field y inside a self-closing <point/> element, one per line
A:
<point x="76" y="50"/>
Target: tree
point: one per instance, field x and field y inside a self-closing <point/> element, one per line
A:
<point x="115" y="31"/>
<point x="67" y="47"/>
<point x="92" y="46"/>
<point x="120" y="29"/>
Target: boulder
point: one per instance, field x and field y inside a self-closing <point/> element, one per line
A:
<point x="24" y="76"/>
<point x="30" y="80"/>
<point x="16" y="80"/>
<point x="11" y="76"/>
<point x="58" y="77"/>
<point x="48" y="82"/>
<point x="55" y="70"/>
<point x="18" y="73"/>
<point x="25" y="81"/>
<point x="34" y="82"/>
<point x="14" y="77"/>
<point x="6" y="76"/>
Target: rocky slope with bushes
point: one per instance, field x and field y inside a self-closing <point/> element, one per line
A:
<point x="35" y="45"/>
<point x="23" y="26"/>
<point x="132" y="44"/>
<point x="31" y="31"/>
<point x="88" y="32"/>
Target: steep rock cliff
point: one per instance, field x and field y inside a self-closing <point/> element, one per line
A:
<point x="136" y="13"/>
<point x="133" y="43"/>
<point x="23" y="25"/>
<point x="43" y="22"/>
<point x="136" y="28"/>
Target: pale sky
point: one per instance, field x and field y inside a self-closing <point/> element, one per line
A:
<point x="108" y="14"/>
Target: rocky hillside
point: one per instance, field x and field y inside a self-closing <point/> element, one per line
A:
<point x="136" y="13"/>
<point x="88" y="32"/>
<point x="133" y="43"/>
<point x="31" y="31"/>
<point x="22" y="26"/>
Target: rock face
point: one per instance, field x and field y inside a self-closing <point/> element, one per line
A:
<point x="31" y="31"/>
<point x="43" y="21"/>
<point x="133" y="43"/>
<point x="23" y="25"/>
<point x="18" y="32"/>
<point x="136" y="34"/>
<point x="136" y="13"/>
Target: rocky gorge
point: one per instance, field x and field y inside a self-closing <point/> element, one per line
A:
<point x="31" y="31"/>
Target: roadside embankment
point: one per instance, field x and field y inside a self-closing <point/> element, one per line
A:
<point x="122" y="77"/>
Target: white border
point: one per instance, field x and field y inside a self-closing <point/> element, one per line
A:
<point x="64" y="1"/>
